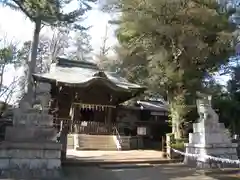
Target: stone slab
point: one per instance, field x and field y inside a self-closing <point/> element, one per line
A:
<point x="225" y="151"/>
<point x="209" y="138"/>
<point x="31" y="119"/>
<point x="26" y="134"/>
<point x="208" y="127"/>
<point x="14" y="163"/>
<point x="30" y="153"/>
<point x="30" y="145"/>
<point x="31" y="174"/>
<point x="222" y="145"/>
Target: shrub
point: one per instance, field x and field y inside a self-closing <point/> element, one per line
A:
<point x="178" y="144"/>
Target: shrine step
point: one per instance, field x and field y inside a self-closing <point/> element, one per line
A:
<point x="70" y="142"/>
<point x="96" y="142"/>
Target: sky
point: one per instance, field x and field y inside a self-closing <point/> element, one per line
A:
<point x="15" y="27"/>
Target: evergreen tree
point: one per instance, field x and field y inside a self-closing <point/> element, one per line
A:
<point x="176" y="44"/>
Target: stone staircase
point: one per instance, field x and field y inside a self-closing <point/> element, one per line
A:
<point x="96" y="142"/>
<point x="70" y="141"/>
<point x="101" y="142"/>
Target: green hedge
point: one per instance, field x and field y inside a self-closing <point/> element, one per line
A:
<point x="178" y="143"/>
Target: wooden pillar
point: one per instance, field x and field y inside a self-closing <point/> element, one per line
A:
<point x="63" y="141"/>
<point x="72" y="116"/>
<point x="109" y="119"/>
<point x="109" y="114"/>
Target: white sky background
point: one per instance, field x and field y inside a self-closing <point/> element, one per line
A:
<point x="17" y="27"/>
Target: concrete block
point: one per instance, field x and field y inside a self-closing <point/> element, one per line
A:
<point x="53" y="163"/>
<point x="52" y="154"/>
<point x="27" y="134"/>
<point x="4" y="163"/>
<point x="18" y="163"/>
<point x="31" y="119"/>
<point x="31" y="145"/>
<point x="38" y="164"/>
<point x="3" y="153"/>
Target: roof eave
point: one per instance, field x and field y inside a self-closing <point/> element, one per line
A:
<point x="107" y="82"/>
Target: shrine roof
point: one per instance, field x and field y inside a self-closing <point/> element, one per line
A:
<point x="81" y="73"/>
<point x="153" y="105"/>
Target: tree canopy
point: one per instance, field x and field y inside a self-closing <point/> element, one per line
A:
<point x="174" y="45"/>
<point x="51" y="12"/>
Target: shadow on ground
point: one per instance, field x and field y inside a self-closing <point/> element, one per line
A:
<point x="143" y="172"/>
<point x="137" y="172"/>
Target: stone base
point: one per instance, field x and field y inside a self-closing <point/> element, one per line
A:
<point x="26" y="134"/>
<point x="227" y="151"/>
<point x="31" y="174"/>
<point x="31" y="156"/>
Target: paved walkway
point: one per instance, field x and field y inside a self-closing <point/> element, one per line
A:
<point x="155" y="172"/>
<point x="160" y="172"/>
<point x="117" y="156"/>
<point x="134" y="171"/>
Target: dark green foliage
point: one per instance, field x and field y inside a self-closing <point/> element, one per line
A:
<point x="172" y="46"/>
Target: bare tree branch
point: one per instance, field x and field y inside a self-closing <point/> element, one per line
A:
<point x="11" y="87"/>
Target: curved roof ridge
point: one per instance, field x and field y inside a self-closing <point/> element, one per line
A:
<point x="64" y="62"/>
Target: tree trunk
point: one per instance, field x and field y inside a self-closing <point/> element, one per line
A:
<point x="33" y="59"/>
<point x="176" y="130"/>
<point x="176" y="121"/>
<point x="178" y="134"/>
<point x="1" y="76"/>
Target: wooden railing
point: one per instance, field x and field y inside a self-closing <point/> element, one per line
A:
<point x="118" y="139"/>
<point x="89" y="127"/>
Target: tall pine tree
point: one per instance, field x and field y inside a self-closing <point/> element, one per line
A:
<point x="178" y="42"/>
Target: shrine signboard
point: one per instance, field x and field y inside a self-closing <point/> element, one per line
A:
<point x="142" y="131"/>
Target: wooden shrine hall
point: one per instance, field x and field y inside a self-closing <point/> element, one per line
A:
<point x="85" y="96"/>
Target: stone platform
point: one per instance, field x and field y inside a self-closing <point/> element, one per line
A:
<point x="30" y="146"/>
<point x="224" y="151"/>
<point x="22" y="155"/>
<point x="112" y="157"/>
<point x="210" y="138"/>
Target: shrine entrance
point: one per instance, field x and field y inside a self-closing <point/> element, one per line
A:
<point x="92" y="119"/>
<point x="84" y="98"/>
